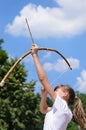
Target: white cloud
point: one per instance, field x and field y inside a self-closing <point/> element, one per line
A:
<point x="66" y="20"/>
<point x="61" y="66"/>
<point x="81" y="82"/>
<point x="47" y="55"/>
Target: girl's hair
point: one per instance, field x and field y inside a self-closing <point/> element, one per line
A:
<point x="79" y="114"/>
<point x="71" y="93"/>
<point x="78" y="111"/>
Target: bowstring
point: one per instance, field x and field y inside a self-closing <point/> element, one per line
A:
<point x="58" y="77"/>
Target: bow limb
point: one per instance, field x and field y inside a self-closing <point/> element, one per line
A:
<point x="22" y="57"/>
<point x="13" y="67"/>
<point x="50" y="49"/>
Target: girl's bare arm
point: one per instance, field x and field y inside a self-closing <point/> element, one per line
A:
<point x="41" y="73"/>
<point x="44" y="108"/>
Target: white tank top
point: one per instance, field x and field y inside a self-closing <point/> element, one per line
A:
<point x="58" y="117"/>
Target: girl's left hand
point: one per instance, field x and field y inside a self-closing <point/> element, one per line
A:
<point x="43" y="91"/>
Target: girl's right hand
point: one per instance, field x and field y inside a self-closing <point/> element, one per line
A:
<point x="34" y="49"/>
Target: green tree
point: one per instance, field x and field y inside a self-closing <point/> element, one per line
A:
<point x="3" y="54"/>
<point x="19" y="105"/>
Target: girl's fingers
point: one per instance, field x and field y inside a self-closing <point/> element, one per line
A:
<point x="42" y="88"/>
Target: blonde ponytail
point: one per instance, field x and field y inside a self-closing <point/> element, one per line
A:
<point x="79" y="114"/>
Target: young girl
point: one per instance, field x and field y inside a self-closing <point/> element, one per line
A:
<point x="59" y="115"/>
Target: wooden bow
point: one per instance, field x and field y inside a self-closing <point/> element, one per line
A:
<point x="27" y="53"/>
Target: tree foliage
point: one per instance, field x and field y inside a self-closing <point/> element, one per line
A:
<point x="3" y="54"/>
<point x="19" y="105"/>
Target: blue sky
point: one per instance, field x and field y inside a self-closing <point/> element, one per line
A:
<point x="57" y="24"/>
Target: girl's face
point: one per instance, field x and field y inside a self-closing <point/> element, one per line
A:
<point x="61" y="92"/>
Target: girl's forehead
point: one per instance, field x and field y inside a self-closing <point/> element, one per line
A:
<point x="59" y="88"/>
